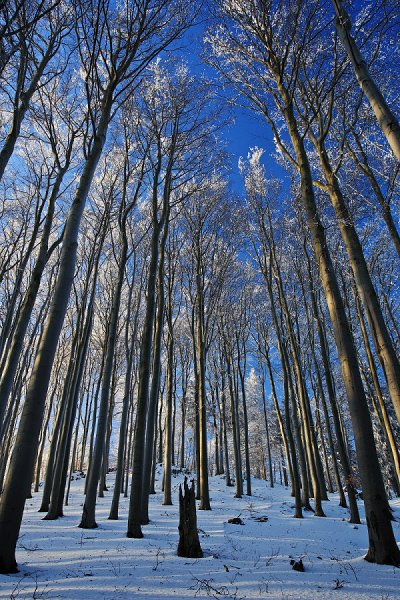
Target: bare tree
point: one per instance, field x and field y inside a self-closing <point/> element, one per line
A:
<point x="112" y="60"/>
<point x="262" y="63"/>
<point x="384" y="115"/>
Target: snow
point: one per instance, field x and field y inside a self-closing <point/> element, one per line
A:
<point x="59" y="560"/>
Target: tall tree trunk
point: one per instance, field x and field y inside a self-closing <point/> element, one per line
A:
<point x="182" y="435"/>
<point x="264" y="399"/>
<point x="382" y="544"/>
<point x="168" y="413"/>
<point x="245" y="423"/>
<point x="201" y="358"/>
<point x="235" y="430"/>
<point x="22" y="463"/>
<point x="382" y="341"/>
<point x="344" y="458"/>
<point x="135" y="503"/>
<point x="385" y="117"/>
<point x="155" y="382"/>
<point x="88" y="520"/>
<point x="228" y="480"/>
<point x="123" y="428"/>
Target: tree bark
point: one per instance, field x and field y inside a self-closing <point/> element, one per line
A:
<point x="382" y="545"/>
<point x="388" y="122"/>
<point x="344" y="458"/>
<point x="135" y="502"/>
<point x="382" y="341"/>
<point x="22" y="463"/>
<point x="189" y="543"/>
<point x="201" y="358"/>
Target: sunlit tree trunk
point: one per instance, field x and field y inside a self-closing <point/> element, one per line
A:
<point x="344" y="458"/>
<point x="384" y="115"/>
<point x="382" y="544"/>
<point x="383" y="415"/>
<point x="383" y="344"/>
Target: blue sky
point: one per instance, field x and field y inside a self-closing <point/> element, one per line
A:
<point x="247" y="129"/>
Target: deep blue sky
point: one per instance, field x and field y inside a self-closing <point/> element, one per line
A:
<point x="247" y="129"/>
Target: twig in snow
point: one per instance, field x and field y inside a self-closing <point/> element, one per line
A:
<point x="158" y="554"/>
<point x="208" y="586"/>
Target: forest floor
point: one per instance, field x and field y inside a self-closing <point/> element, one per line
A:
<point x="58" y="560"/>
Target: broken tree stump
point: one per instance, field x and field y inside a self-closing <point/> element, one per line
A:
<point x="297" y="565"/>
<point x="189" y="543"/>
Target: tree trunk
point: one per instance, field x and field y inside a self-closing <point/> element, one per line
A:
<point x="271" y="477"/>
<point x="155" y="382"/>
<point x="228" y="480"/>
<point x="201" y="358"/>
<point x="168" y="414"/>
<point x="189" y="543"/>
<point x="382" y="545"/>
<point x="385" y="117"/>
<point x="377" y="326"/>
<point x="123" y="428"/>
<point x="135" y="503"/>
<point x="246" y="427"/>
<point x="344" y="459"/>
<point x="235" y="433"/>
<point x="88" y="520"/>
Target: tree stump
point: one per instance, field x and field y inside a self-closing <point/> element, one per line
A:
<point x="189" y="543"/>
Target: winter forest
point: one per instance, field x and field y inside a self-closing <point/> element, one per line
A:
<point x="172" y="307"/>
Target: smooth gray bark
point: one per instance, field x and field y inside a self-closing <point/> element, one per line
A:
<point x="21" y="467"/>
<point x="387" y="120"/>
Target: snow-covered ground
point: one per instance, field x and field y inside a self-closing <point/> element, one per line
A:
<point x="59" y="560"/>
